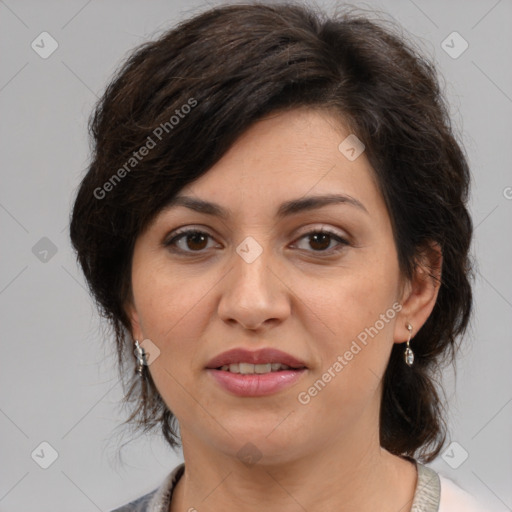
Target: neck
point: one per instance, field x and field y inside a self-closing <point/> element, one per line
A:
<point x="346" y="474"/>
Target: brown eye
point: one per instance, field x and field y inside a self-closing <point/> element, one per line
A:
<point x="195" y="241"/>
<point x="192" y="240"/>
<point x="320" y="240"/>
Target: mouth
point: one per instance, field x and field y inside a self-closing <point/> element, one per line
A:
<point x="241" y="360"/>
<point x="255" y="384"/>
<point x="259" y="369"/>
<point x="247" y="373"/>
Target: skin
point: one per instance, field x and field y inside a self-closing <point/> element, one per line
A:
<point x="324" y="455"/>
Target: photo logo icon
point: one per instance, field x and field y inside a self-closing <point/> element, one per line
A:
<point x="44" y="455"/>
<point x="454" y="45"/>
<point x="44" y="45"/>
<point x="44" y="250"/>
<point x="249" y="249"/>
<point x="455" y="455"/>
<point x="249" y="454"/>
<point x="151" y="351"/>
<point x="351" y="147"/>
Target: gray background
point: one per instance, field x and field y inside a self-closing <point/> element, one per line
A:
<point x="58" y="381"/>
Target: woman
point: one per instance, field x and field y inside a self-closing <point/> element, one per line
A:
<point x="274" y="221"/>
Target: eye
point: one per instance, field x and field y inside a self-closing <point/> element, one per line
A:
<point x="194" y="240"/>
<point x="320" y="240"/>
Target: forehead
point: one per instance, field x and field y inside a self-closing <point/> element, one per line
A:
<point x="285" y="163"/>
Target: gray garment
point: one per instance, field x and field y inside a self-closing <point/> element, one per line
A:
<point x="426" y="496"/>
<point x="428" y="490"/>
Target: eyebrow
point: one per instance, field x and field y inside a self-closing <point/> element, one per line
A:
<point x="286" y="209"/>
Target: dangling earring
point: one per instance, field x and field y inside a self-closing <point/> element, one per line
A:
<point x="409" y="354"/>
<point x="140" y="353"/>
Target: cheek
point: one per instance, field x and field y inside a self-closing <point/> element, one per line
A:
<point x="348" y="303"/>
<point x="164" y="297"/>
<point x="174" y="312"/>
<point x="352" y="352"/>
<point x="351" y="323"/>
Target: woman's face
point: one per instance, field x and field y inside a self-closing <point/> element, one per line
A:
<point x="264" y="277"/>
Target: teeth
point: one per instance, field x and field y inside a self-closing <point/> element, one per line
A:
<point x="248" y="368"/>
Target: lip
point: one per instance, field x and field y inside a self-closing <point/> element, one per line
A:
<point x="254" y="385"/>
<point x="262" y="356"/>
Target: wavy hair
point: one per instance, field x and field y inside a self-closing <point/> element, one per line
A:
<point x="232" y="65"/>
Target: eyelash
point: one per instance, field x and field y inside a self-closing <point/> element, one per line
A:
<point x="188" y="232"/>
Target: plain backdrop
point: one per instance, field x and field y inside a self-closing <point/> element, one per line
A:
<point x="58" y="380"/>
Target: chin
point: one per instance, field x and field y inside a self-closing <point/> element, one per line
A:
<point x="262" y="443"/>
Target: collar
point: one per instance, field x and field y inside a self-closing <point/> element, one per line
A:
<point x="426" y="497"/>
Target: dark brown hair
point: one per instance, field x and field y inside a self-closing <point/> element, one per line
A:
<point x="187" y="96"/>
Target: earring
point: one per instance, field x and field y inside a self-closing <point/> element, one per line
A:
<point x="409" y="354"/>
<point x="140" y="353"/>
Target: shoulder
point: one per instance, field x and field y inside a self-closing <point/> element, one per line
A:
<point x="455" y="499"/>
<point x="157" y="500"/>
<point x="437" y="493"/>
<point x="138" y="505"/>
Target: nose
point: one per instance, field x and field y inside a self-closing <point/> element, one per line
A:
<point x="254" y="295"/>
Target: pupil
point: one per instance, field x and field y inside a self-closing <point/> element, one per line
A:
<point x="320" y="238"/>
<point x="325" y="236"/>
<point x="195" y="237"/>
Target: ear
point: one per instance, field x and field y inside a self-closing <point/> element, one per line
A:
<point x="133" y="316"/>
<point x="419" y="294"/>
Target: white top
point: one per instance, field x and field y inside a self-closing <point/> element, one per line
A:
<point x="456" y="499"/>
